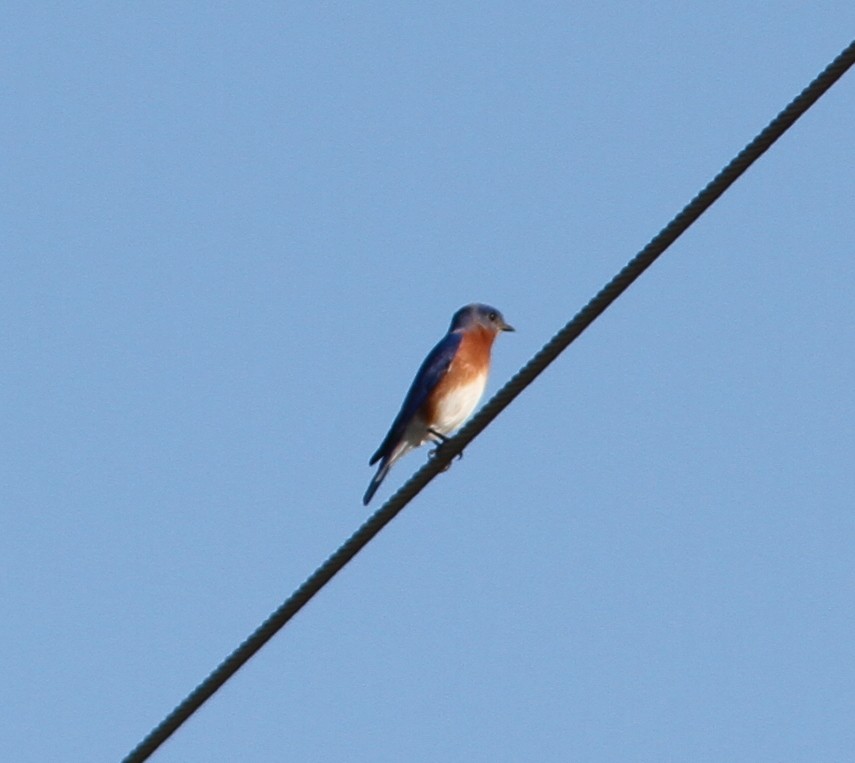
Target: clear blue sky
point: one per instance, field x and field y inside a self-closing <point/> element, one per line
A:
<point x="231" y="232"/>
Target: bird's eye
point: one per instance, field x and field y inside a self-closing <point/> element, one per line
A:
<point x="492" y="316"/>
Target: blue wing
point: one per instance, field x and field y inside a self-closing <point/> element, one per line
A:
<point x="429" y="375"/>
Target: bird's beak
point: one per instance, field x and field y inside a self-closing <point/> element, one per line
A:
<point x="506" y="327"/>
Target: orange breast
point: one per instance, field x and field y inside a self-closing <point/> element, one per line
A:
<point x="473" y="355"/>
<point x="470" y="364"/>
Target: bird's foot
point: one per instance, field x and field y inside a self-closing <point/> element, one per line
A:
<point x="435" y="451"/>
<point x="432" y="453"/>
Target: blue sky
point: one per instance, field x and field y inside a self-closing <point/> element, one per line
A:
<point x="231" y="233"/>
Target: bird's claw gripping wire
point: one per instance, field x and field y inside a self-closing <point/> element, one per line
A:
<point x="435" y="451"/>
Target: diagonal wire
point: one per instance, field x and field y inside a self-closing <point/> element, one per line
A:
<point x="525" y="376"/>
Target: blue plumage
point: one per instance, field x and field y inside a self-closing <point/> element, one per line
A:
<point x="429" y="375"/>
<point x="430" y="411"/>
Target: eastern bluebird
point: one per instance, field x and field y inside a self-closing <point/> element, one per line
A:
<point x="446" y="389"/>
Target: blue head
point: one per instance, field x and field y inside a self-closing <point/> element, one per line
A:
<point x="479" y="315"/>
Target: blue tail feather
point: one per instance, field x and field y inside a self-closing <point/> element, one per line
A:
<point x="382" y="471"/>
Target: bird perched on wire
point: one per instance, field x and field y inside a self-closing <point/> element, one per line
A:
<point x="446" y="389"/>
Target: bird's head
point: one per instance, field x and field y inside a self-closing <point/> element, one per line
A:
<point x="478" y="315"/>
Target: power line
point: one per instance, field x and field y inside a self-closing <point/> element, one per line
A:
<point x="525" y="376"/>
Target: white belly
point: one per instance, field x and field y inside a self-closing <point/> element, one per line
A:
<point x="458" y="404"/>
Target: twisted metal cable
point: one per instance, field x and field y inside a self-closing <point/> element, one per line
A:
<point x="525" y="376"/>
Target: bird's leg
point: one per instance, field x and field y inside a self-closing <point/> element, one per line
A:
<point x="441" y="437"/>
<point x="442" y="440"/>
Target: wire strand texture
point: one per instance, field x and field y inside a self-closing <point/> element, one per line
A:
<point x="522" y="379"/>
